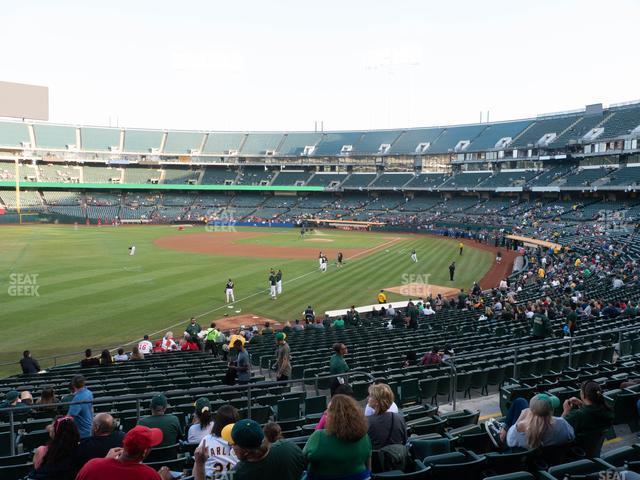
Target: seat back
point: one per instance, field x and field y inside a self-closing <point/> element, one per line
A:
<point x="10" y="472"/>
<point x="420" y="449"/>
<point x="288" y="409"/>
<point x="512" y="476"/>
<point x="175" y="465"/>
<point x="315" y="404"/>
<point x="458" y="465"/>
<point x="579" y="467"/>
<point x="508" y="462"/>
<point x="620" y="456"/>
<point x="157" y="454"/>
<point x="416" y="471"/>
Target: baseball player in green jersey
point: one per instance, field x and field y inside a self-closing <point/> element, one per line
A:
<point x="273" y="284"/>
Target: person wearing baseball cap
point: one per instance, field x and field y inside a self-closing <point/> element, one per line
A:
<point x="258" y="459"/>
<point x="11" y="399"/>
<point x="519" y="409"/>
<point x="168" y="423"/>
<point x="126" y="463"/>
<point x="202" y="421"/>
<point x="537" y="426"/>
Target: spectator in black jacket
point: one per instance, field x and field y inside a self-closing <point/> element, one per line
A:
<point x="89" y="360"/>
<point x="29" y="364"/>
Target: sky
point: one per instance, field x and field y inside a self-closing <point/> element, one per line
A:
<point x="352" y="64"/>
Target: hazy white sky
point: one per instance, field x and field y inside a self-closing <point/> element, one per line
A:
<point x="281" y="64"/>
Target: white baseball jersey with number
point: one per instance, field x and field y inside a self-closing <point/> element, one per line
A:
<point x="145" y="347"/>
<point x="220" y="456"/>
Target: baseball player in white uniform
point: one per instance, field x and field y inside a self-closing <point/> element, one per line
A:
<point x="414" y="256"/>
<point x="279" y="281"/>
<point x="320" y="257"/>
<point x="229" y="291"/>
<point x="323" y="263"/>
<point x="132" y="250"/>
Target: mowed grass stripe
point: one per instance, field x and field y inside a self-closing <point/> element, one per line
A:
<point x="95" y="291"/>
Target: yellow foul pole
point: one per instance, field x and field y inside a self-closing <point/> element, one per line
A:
<point x="17" y="175"/>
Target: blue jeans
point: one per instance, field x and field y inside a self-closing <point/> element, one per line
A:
<point x="516" y="408"/>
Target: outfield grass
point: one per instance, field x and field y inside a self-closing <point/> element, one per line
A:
<point x="91" y="293"/>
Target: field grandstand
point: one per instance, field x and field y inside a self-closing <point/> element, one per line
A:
<point x="539" y="218"/>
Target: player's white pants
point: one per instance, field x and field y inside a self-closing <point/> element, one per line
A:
<point x="132" y="251"/>
<point x="279" y="286"/>
<point x="229" y="292"/>
<point x="273" y="291"/>
<point x="323" y="266"/>
<point x="414" y="257"/>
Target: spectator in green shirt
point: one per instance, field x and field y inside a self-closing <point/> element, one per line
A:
<point x="259" y="460"/>
<point x="192" y="331"/>
<point x="168" y="423"/>
<point x="338" y="323"/>
<point x="338" y="365"/>
<point x="540" y="326"/>
<point x="589" y="416"/>
<point x="572" y="320"/>
<point x="343" y="448"/>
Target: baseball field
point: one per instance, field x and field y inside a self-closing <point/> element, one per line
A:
<point x="66" y="288"/>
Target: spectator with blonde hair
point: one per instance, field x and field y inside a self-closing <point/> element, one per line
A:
<point x="168" y="343"/>
<point x="385" y="426"/>
<point x="343" y="448"/>
<point x="537" y="426"/>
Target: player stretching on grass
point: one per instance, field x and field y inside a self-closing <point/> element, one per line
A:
<point x="339" y="264"/>
<point x="414" y="256"/>
<point x="229" y="291"/>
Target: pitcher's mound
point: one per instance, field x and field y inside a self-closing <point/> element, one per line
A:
<point x="247" y="319"/>
<point x="423" y="290"/>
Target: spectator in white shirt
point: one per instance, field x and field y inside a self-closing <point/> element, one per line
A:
<point x="145" y="347"/>
<point x="121" y="356"/>
<point x="428" y="311"/>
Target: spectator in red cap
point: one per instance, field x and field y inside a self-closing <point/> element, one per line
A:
<point x="126" y="463"/>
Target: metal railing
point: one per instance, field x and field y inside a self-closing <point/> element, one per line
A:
<point x="517" y="350"/>
<point x="249" y="388"/>
<point x="55" y="358"/>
